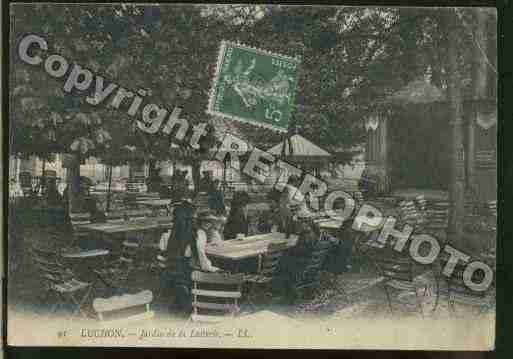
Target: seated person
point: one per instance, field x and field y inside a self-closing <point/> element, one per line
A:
<point x="215" y="235"/>
<point x="308" y="237"/>
<point x="269" y="219"/>
<point x="195" y="259"/>
<point x="216" y="198"/>
<point x="96" y="215"/>
<point x="238" y="220"/>
<point x="305" y="245"/>
<point x="195" y="251"/>
<point x="292" y="206"/>
<point x="52" y="196"/>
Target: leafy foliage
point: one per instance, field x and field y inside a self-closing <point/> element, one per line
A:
<point x="352" y="59"/>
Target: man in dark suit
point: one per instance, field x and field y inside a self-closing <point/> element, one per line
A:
<point x="183" y="231"/>
<point x="216" y="199"/>
<point x="175" y="278"/>
<point x="238" y="221"/>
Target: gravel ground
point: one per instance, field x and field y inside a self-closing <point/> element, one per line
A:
<point x="364" y="295"/>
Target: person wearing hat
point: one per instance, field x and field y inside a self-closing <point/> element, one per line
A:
<point x="194" y="258"/>
<point x="183" y="230"/>
<point x="215" y="234"/>
<point x="296" y="258"/>
<point x="238" y="221"/>
<point x="180" y="184"/>
<point x="182" y="235"/>
<point x="195" y="251"/>
<point x="52" y="196"/>
<point x="81" y="197"/>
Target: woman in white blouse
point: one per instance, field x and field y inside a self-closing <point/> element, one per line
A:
<point x="196" y="250"/>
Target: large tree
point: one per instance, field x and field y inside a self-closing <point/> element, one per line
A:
<point x="352" y="59"/>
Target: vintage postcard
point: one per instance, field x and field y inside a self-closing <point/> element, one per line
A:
<point x="252" y="176"/>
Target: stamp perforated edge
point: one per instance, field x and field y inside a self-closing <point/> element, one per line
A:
<point x="212" y="93"/>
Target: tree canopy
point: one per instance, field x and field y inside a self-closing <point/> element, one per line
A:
<point x="352" y="59"/>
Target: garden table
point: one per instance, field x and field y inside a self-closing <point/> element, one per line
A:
<point x="85" y="260"/>
<point x="137" y="227"/>
<point x="82" y="254"/>
<point x="129" y="226"/>
<point x="250" y="247"/>
<point x="156" y="204"/>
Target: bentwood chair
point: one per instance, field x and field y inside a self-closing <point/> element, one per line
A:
<point x="268" y="267"/>
<point x="408" y="214"/>
<point x="308" y="278"/>
<point x="115" y="274"/>
<point x="456" y="290"/>
<point x="437" y="217"/>
<point x="60" y="282"/>
<point x="398" y="271"/>
<point x="79" y="234"/>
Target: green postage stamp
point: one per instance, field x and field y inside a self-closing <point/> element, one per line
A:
<point x="253" y="86"/>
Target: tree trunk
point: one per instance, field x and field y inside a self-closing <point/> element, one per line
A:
<point x="196" y="175"/>
<point x="152" y="164"/>
<point x="73" y="182"/>
<point x="479" y="91"/>
<point x="109" y="193"/>
<point x="457" y="161"/>
<point x="43" y="177"/>
<point x="225" y="164"/>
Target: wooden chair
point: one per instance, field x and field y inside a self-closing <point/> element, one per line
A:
<point x="358" y="197"/>
<point x="115" y="216"/>
<point x="421" y="204"/>
<point x="268" y="266"/>
<point x="408" y="214"/>
<point x="159" y="249"/>
<point x="398" y="272"/>
<point x="437" y="217"/>
<point x="491" y="214"/>
<point x="201" y="202"/>
<point x="118" y="310"/>
<point x="457" y="292"/>
<point x="136" y="214"/>
<point x="60" y="281"/>
<point x="309" y="276"/>
<point x="215" y="295"/>
<point x="78" y="219"/>
<point x="115" y="274"/>
<point x="26" y="183"/>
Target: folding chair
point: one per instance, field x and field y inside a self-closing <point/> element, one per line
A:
<point x="78" y="219"/>
<point x="118" y="310"/>
<point x="268" y="266"/>
<point x="491" y="215"/>
<point x="115" y="274"/>
<point x="457" y="292"/>
<point x="26" y="183"/>
<point x="215" y="296"/>
<point x="408" y="214"/>
<point x="437" y="216"/>
<point x="309" y="276"/>
<point x="398" y="273"/>
<point x="421" y="204"/>
<point x="115" y="216"/>
<point x="358" y="197"/>
<point x="61" y="282"/>
<point x="137" y="214"/>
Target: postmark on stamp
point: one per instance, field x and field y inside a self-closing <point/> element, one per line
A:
<point x="253" y="86"/>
